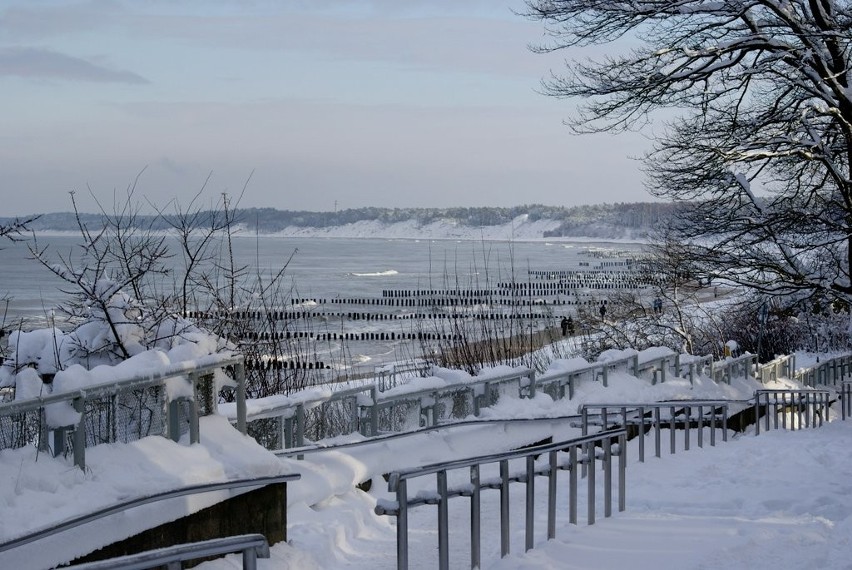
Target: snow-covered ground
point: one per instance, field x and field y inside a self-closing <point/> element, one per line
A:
<point x="519" y="229"/>
<point x="778" y="500"/>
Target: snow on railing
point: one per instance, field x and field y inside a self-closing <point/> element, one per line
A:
<point x="126" y="505"/>
<point x="168" y="402"/>
<point x="825" y="373"/>
<point x="780" y="367"/>
<point x="284" y="422"/>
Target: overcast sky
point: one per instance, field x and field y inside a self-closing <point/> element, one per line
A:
<point x="328" y="102"/>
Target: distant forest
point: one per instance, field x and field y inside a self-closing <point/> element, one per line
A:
<point x="595" y="220"/>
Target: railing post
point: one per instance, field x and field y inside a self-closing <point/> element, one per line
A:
<point x="532" y="388"/>
<point x="80" y="434"/>
<point x="551" y="496"/>
<point x="300" y="425"/>
<point x="43" y="443"/>
<point x="529" y="537"/>
<point x="622" y="472"/>
<point x="443" y="522"/>
<point x="249" y="559"/>
<point x="59" y="435"/>
<point x="240" y="373"/>
<point x="504" y="508"/>
<point x="590" y="482"/>
<point x="757" y="413"/>
<point x="173" y="419"/>
<point x="402" y="525"/>
<point x="672" y="434"/>
<point x="607" y="465"/>
<point x="194" y="429"/>
<point x="572" y="485"/>
<point x="657" y="427"/>
<point x="475" y="529"/>
<point x="354" y="418"/>
<point x="374" y="412"/>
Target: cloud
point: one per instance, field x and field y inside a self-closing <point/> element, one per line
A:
<point x="30" y="62"/>
<point x="23" y="21"/>
<point x="406" y="37"/>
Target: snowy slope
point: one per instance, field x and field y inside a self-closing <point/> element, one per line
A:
<point x="739" y="500"/>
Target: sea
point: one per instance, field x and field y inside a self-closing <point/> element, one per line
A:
<point x="328" y="268"/>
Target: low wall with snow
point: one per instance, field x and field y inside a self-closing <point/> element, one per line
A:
<point x="260" y="511"/>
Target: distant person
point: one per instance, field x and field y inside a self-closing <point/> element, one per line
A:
<point x="570" y="326"/>
<point x="658" y="306"/>
<point x="564" y="324"/>
<point x="602" y="311"/>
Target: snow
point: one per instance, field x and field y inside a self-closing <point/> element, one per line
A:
<point x="41" y="491"/>
<point x="777" y="500"/>
<point x="519" y="228"/>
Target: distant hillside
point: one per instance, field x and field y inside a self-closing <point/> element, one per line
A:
<point x="610" y="221"/>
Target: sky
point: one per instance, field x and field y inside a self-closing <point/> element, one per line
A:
<point x="308" y="105"/>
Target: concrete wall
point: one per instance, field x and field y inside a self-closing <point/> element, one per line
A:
<point x="260" y="511"/>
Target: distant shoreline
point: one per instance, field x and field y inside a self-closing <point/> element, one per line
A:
<point x="318" y="235"/>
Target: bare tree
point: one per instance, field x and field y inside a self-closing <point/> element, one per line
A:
<point x="117" y="257"/>
<point x="195" y="230"/>
<point x="760" y="143"/>
<point x="13" y="229"/>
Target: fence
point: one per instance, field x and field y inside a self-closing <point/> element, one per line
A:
<point x="640" y="418"/>
<point x="166" y="403"/>
<point x="314" y="414"/>
<point x="807" y="408"/>
<point x="580" y="451"/>
<point x="381" y="406"/>
<point x="825" y="373"/>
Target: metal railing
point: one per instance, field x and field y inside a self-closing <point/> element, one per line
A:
<point x="580" y="451"/>
<point x="318" y="413"/>
<point x="744" y="366"/>
<point x="780" y="367"/>
<point x="314" y="414"/>
<point x="251" y="546"/>
<point x="122" y="506"/>
<point x="640" y="418"/>
<point x="122" y="410"/>
<point x="826" y="373"/>
<point x="806" y="408"/>
<point x="401" y="407"/>
<point x="309" y="449"/>
<point x="844" y="394"/>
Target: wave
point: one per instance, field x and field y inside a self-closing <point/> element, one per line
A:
<point x="377" y="274"/>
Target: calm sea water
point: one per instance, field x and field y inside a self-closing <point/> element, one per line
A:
<point x="329" y="268"/>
